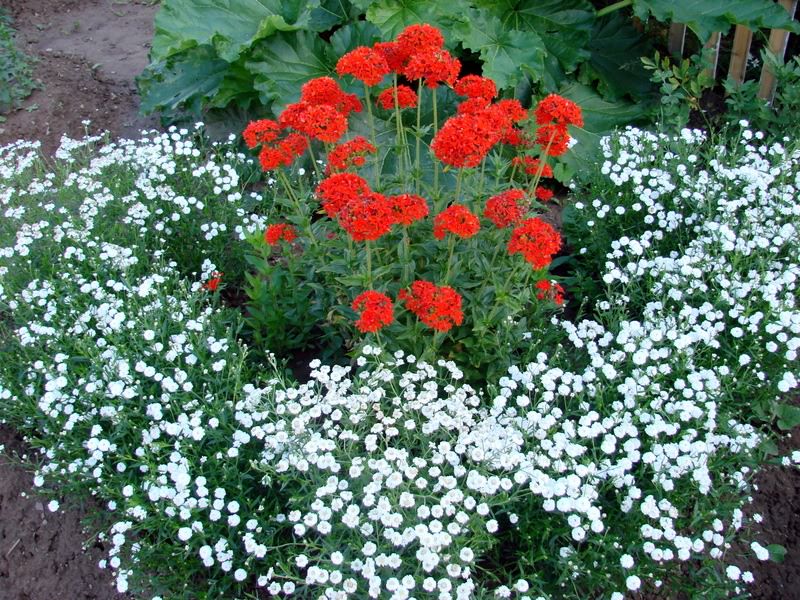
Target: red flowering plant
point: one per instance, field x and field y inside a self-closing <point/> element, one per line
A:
<point x="431" y="240"/>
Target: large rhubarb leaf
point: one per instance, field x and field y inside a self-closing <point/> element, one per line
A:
<point x="392" y="16"/>
<point x="284" y="62"/>
<point x="508" y="55"/>
<point x="563" y="25"/>
<point x="616" y="52"/>
<point x="707" y="16"/>
<point x="190" y="78"/>
<point x="228" y="26"/>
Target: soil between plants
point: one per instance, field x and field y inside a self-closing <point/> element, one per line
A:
<point x="89" y="52"/>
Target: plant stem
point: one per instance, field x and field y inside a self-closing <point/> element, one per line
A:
<point x="542" y="165"/>
<point x="406" y="262"/>
<point x="306" y="220"/>
<point x="399" y="144"/>
<point x="374" y="136"/>
<point x="313" y="160"/>
<point x="451" y="244"/>
<point x="459" y="177"/>
<point x="369" y="265"/>
<point x="613" y="7"/>
<point x="435" y="131"/>
<point x="417" y="174"/>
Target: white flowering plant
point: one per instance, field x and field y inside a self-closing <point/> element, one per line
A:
<point x="615" y="462"/>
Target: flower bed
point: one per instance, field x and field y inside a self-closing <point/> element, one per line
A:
<point x="613" y="455"/>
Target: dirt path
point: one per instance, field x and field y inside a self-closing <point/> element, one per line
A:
<point x="89" y="52"/>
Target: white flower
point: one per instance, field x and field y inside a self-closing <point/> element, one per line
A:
<point x="633" y="583"/>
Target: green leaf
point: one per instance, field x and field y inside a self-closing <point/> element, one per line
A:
<point x="330" y="13"/>
<point x="284" y="62"/>
<point x="229" y="26"/>
<point x="392" y="16"/>
<point x="788" y="416"/>
<point x="360" y="33"/>
<point x="191" y="77"/>
<point x="563" y="25"/>
<point x="704" y="17"/>
<point x="617" y="50"/>
<point x="777" y="552"/>
<point x="507" y="54"/>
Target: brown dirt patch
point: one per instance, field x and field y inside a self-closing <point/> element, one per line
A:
<point x="43" y="554"/>
<point x="89" y="52"/>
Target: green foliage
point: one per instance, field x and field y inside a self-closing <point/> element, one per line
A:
<point x="16" y="70"/>
<point x="681" y="87"/>
<point x="776" y="118"/>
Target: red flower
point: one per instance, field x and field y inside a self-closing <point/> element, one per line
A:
<point x="319" y="121"/>
<point x="350" y="154"/>
<point x="339" y="189"/>
<point x="419" y="37"/>
<point x="515" y="137"/>
<point x="212" y="284"/>
<point x="408" y="208"/>
<point x="465" y="140"/>
<point x="260" y="132"/>
<point x="393" y="54"/>
<point x="367" y="217"/>
<point x="532" y="165"/>
<point x="281" y="231"/>
<point x="365" y="64"/>
<point x="475" y="86"/>
<point x="406" y="97"/>
<point x="559" y="110"/>
<point x="551" y="291"/>
<point x="553" y="139"/>
<point x="272" y="157"/>
<point x="544" y="194"/>
<point x="455" y="219"/>
<point x="437" y="307"/>
<point x="375" y="310"/>
<point x="325" y="90"/>
<point x="434" y="66"/>
<point x="473" y="106"/>
<point x="536" y="240"/>
<point x="512" y="110"/>
<point x="294" y="144"/>
<point x="505" y="209"/>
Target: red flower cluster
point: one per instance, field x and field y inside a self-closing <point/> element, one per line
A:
<point x="455" y="219"/>
<point x="505" y="209"/>
<point x="406" y="97"/>
<point x="365" y="64"/>
<point x="536" y="240"/>
<point x="212" y="284"/>
<point x="393" y="53"/>
<point x="408" y="208"/>
<point x="551" y="291"/>
<point x="319" y="121"/>
<point x="532" y="165"/>
<point x="284" y="153"/>
<point x="544" y="194"/>
<point x="375" y="310"/>
<point x="338" y="190"/>
<point x="438" y="307"/>
<point x="367" y="217"/>
<point x="433" y="66"/>
<point x="559" y="110"/>
<point x="465" y="139"/>
<point x="418" y="38"/>
<point x="475" y="86"/>
<point x="553" y="114"/>
<point x="350" y="154"/>
<point x="262" y="131"/>
<point x="325" y="90"/>
<point x="281" y="231"/>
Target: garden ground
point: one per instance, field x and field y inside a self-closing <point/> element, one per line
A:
<point x="89" y="52"/>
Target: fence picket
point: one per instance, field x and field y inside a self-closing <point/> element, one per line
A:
<point x="778" y="39"/>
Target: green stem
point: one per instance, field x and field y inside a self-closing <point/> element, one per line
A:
<point x="407" y="271"/>
<point x="483" y="177"/>
<point x="451" y="244"/>
<point x="459" y="177"/>
<point x="369" y="265"/>
<point x="399" y="144"/>
<point x="417" y="174"/>
<point x="542" y="164"/>
<point x="374" y="136"/>
<point x="314" y="160"/>
<point x="306" y="220"/>
<point x="435" y="131"/>
<point x="612" y="7"/>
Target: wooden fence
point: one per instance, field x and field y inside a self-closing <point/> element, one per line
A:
<point x="740" y="50"/>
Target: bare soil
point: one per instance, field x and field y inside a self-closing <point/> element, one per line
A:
<point x="88" y="54"/>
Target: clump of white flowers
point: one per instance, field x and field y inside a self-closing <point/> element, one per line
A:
<point x="595" y="468"/>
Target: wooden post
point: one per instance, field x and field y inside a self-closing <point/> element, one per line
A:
<point x="677" y="34"/>
<point x="778" y="38"/>
<point x="739" y="52"/>
<point x="713" y="45"/>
